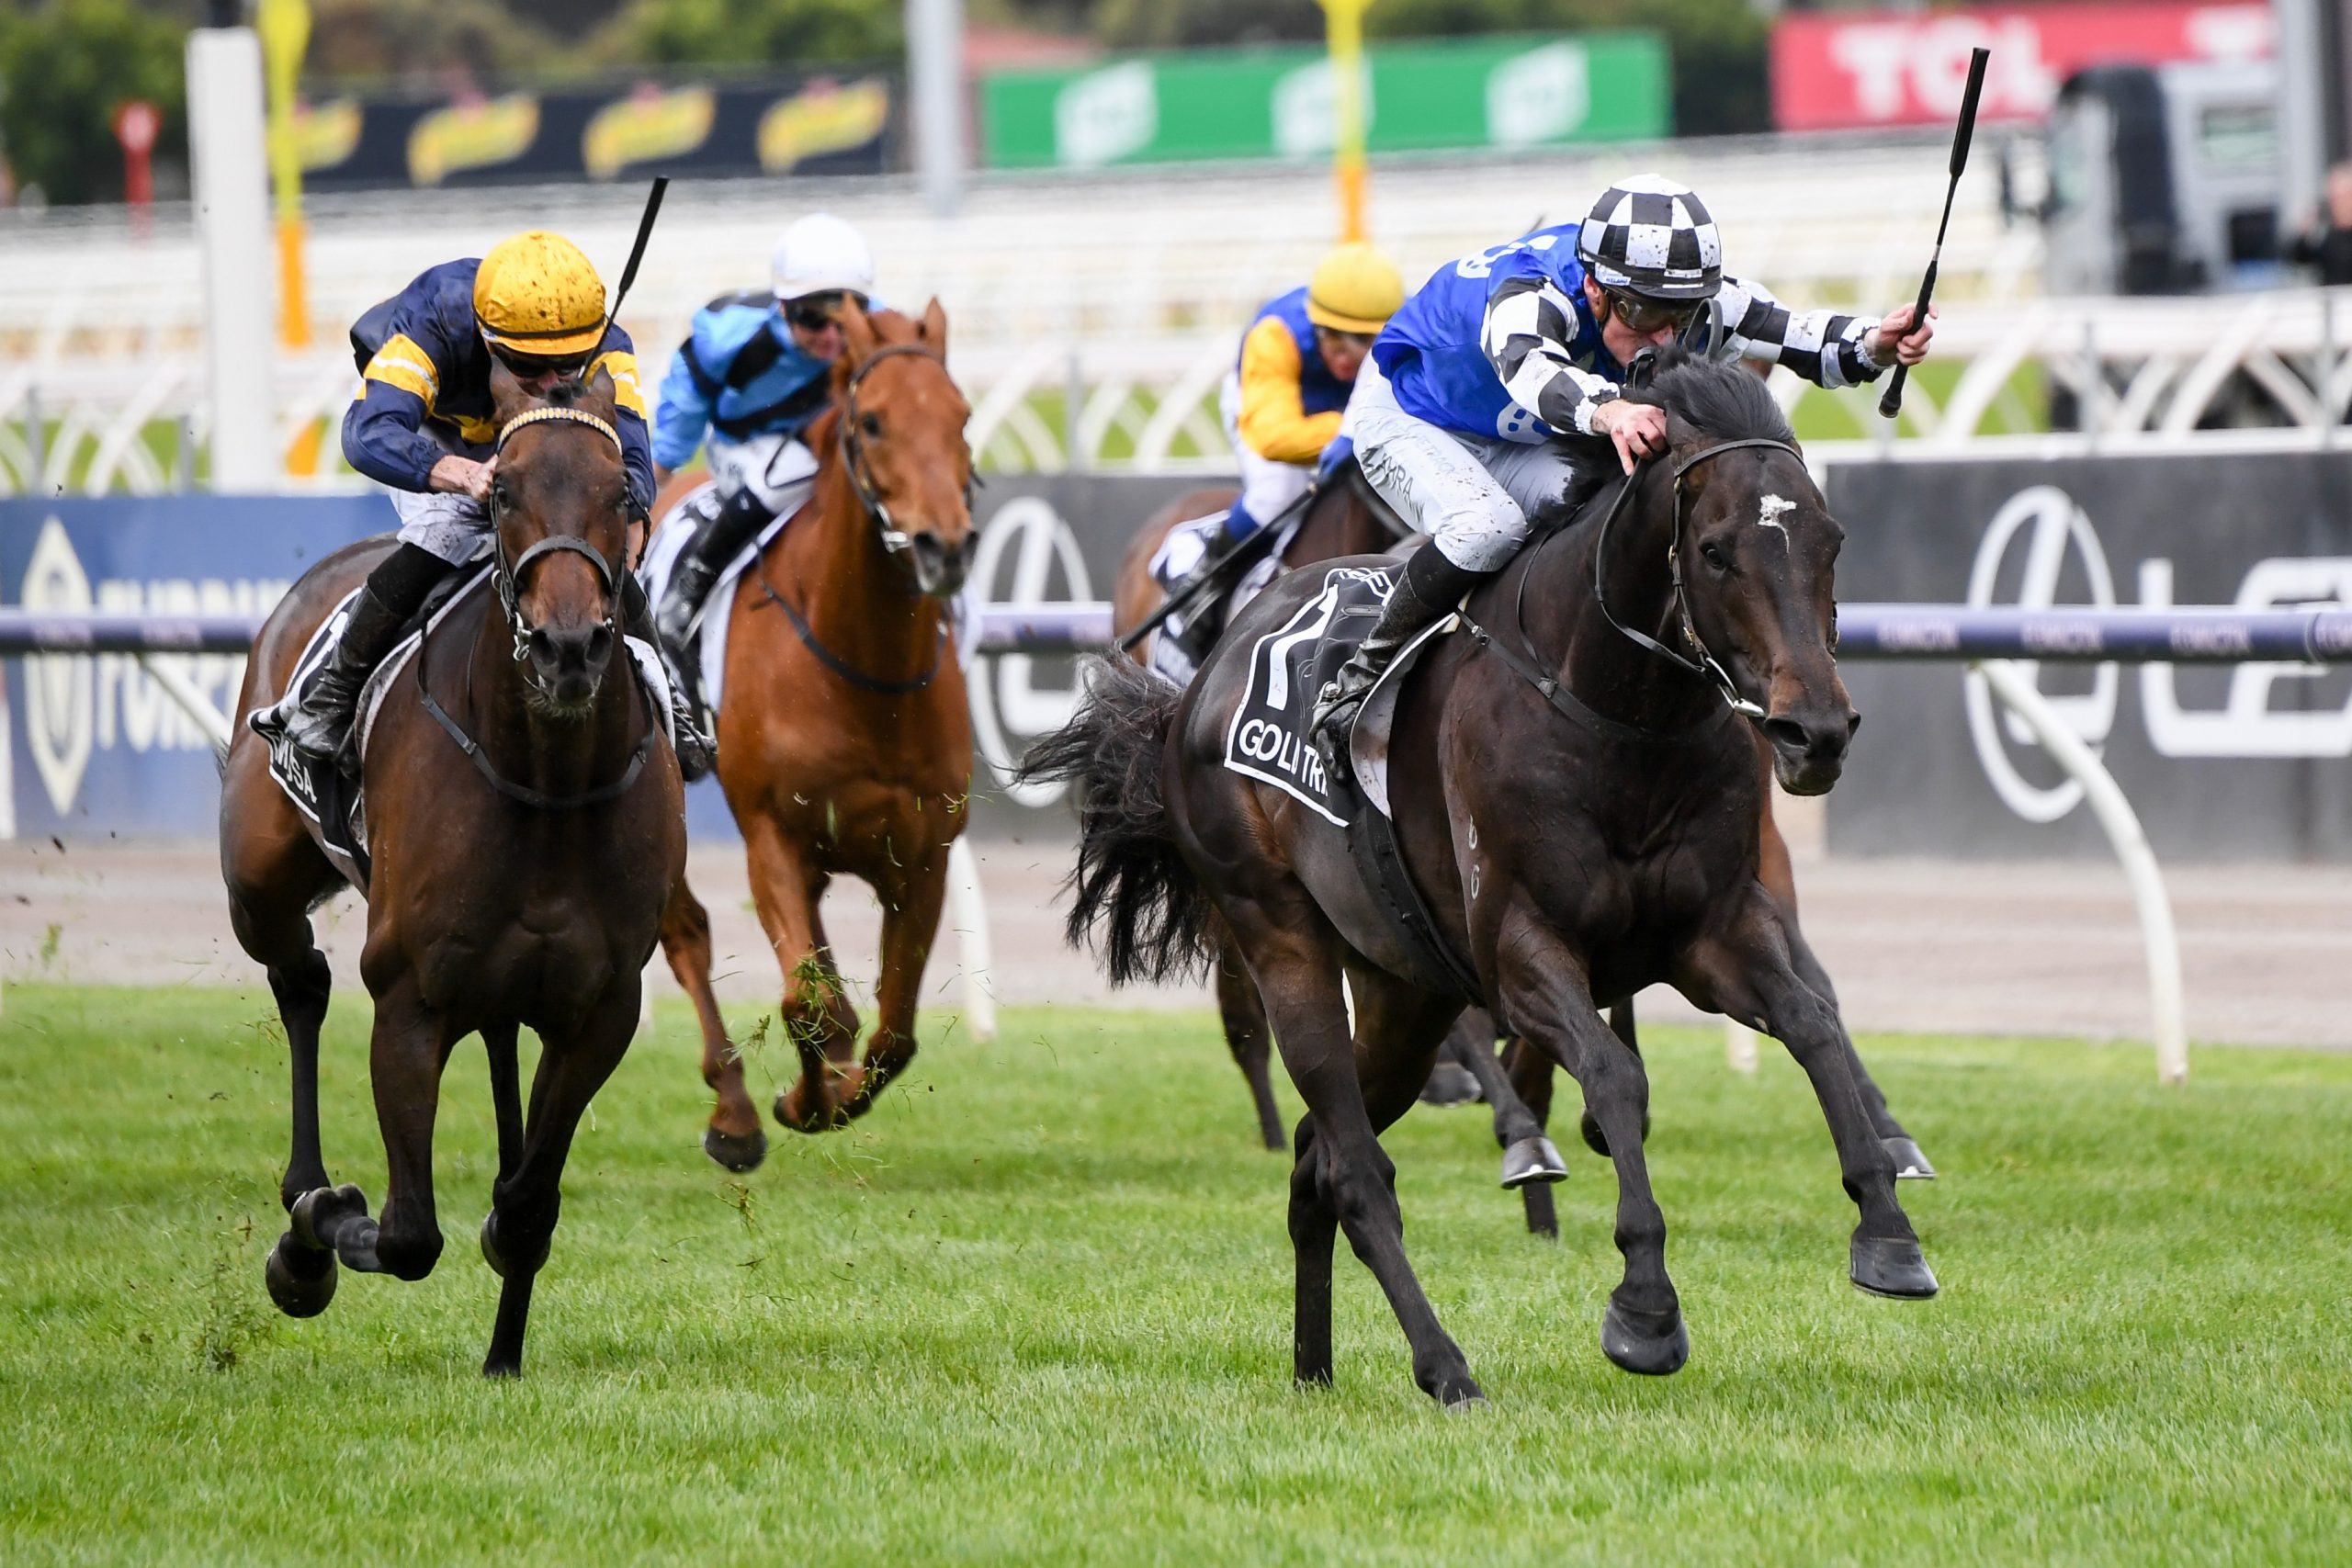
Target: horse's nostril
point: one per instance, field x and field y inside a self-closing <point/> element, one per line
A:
<point x="600" y="643"/>
<point x="1785" y="733"/>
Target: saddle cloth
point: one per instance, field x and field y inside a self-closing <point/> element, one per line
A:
<point x="1182" y="548"/>
<point x="685" y="520"/>
<point x="331" y="801"/>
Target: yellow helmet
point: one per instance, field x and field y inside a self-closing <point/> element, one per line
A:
<point x="1355" y="289"/>
<point x="537" y="294"/>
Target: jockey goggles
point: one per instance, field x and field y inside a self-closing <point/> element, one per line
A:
<point x="1648" y="315"/>
<point x="815" y="312"/>
<point x="526" y="366"/>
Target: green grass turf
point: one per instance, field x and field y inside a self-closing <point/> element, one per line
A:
<point x="1035" y="1309"/>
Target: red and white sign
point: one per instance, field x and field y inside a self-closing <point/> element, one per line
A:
<point x="1834" y="70"/>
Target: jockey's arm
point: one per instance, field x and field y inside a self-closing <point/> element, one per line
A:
<point x="1826" y="347"/>
<point x="383" y="431"/>
<point x="682" y="415"/>
<point x="1528" y="336"/>
<point x="1274" y="420"/>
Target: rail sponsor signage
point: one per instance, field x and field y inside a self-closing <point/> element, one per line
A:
<point x="2221" y="762"/>
<point x="1843" y="69"/>
<point x="814" y="124"/>
<point x="1276" y="103"/>
<point x="97" y="745"/>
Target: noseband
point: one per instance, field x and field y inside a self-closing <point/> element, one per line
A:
<point x="1705" y="663"/>
<point x="508" y="578"/>
<point x="895" y="539"/>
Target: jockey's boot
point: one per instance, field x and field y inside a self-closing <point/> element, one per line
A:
<point x="737" y="522"/>
<point x="1428" y="588"/>
<point x="696" y="751"/>
<point x="318" y="725"/>
<point x="1196" y="626"/>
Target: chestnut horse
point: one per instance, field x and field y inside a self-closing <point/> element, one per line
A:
<point x="521" y="883"/>
<point x="845" y="734"/>
<point x="1344" y="519"/>
<point x="1580" y="806"/>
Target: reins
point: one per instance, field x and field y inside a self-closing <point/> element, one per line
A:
<point x="1705" y="665"/>
<point x="507" y="578"/>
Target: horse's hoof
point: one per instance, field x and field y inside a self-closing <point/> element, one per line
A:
<point x="497" y="1366"/>
<point x="792" y="1113"/>
<point x="1532" y="1159"/>
<point x="1910" y="1165"/>
<point x="497" y="1261"/>
<point x="1653" y="1348"/>
<point x="737" y="1155"/>
<point x="300" y="1279"/>
<point x="1458" y="1392"/>
<point x="1451" y="1083"/>
<point x="318" y="1214"/>
<point x="1892" y="1267"/>
<point x="1599" y="1144"/>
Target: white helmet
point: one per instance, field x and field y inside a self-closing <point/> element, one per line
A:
<point x="821" y="255"/>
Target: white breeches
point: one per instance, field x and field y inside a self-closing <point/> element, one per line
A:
<point x="448" y="524"/>
<point x="1471" y="496"/>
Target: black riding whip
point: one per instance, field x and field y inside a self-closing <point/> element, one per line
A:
<point x="1247" y="544"/>
<point x="1891" y="403"/>
<point x="637" y="251"/>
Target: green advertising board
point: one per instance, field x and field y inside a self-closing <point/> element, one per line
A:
<point x="1276" y="103"/>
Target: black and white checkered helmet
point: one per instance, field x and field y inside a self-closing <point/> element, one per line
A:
<point x="1652" y="236"/>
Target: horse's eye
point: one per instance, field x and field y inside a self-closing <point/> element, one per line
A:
<point x="872" y="424"/>
<point x="1712" y="553"/>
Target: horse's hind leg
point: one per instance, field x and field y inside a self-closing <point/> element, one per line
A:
<point x="734" y="1138"/>
<point x="1910" y="1161"/>
<point x="1344" y="1172"/>
<point x="1546" y="997"/>
<point x="1528" y="1158"/>
<point x="1244" y="1017"/>
<point x="529" y="1196"/>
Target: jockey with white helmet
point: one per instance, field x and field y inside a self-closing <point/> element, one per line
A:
<point x="1459" y="419"/>
<point x="754" y="371"/>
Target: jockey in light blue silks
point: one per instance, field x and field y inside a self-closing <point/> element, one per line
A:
<point x="754" y="372"/>
<point x="1458" y="418"/>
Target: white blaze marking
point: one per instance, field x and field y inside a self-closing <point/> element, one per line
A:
<point x="1768" y="513"/>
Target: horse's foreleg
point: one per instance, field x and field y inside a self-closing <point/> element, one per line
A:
<point x="499" y="1041"/>
<point x="910" y="906"/>
<point x="734" y="1138"/>
<point x="410" y="1048"/>
<point x="524" y="1203"/>
<point x="1745" y="970"/>
<point x="814" y="1015"/>
<point x="1244" y="1017"/>
<point x="1548" y="1001"/>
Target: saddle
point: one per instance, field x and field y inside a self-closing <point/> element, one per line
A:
<point x="1269" y="739"/>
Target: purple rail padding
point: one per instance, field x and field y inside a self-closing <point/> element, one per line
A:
<point x="1950" y="633"/>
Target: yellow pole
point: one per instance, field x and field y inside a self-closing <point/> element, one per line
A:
<point x="285" y="27"/>
<point x="1344" y="24"/>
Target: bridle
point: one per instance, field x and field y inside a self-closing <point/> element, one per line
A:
<point x="895" y="539"/>
<point x="508" y="577"/>
<point x="1705" y="663"/>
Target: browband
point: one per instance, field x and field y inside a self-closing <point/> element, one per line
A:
<point x="558" y="416"/>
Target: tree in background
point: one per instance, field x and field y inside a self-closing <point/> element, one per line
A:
<point x="66" y="67"/>
<point x="745" y="32"/>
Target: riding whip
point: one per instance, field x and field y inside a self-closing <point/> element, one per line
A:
<point x="1891" y="403"/>
<point x="1242" y="547"/>
<point x="645" y="232"/>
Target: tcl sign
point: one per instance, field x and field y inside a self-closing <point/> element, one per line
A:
<point x="1841" y="69"/>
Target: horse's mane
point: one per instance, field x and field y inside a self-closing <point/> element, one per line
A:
<point x="1720" y="399"/>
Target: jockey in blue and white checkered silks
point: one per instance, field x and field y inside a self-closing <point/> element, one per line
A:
<point x="753" y="374"/>
<point x="1459" y="419"/>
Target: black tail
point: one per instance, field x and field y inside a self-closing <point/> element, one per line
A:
<point x="1135" y="900"/>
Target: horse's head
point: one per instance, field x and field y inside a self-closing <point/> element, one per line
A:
<point x="560" y="499"/>
<point x="901" y="422"/>
<point x="1758" y="555"/>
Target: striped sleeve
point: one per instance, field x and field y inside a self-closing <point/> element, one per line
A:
<point x="1823" y="347"/>
<point x="404" y="363"/>
<point x="1528" y="330"/>
<point x="1274" y="420"/>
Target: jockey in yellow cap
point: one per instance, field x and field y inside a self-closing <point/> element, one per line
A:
<point x="424" y="425"/>
<point x="1281" y="405"/>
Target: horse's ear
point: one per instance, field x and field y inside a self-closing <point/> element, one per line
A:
<point x="857" y="332"/>
<point x="507" y="396"/>
<point x="932" y="328"/>
<point x="1680" y="431"/>
<point x="601" y="389"/>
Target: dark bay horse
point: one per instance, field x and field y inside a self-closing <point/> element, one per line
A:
<point x="1577" y="839"/>
<point x="1344" y="519"/>
<point x="519" y="885"/>
<point x="844" y="733"/>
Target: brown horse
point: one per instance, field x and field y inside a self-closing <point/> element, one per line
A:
<point x="1344" y="519"/>
<point x="518" y="884"/>
<point x="845" y="734"/>
<point x="1580" y="807"/>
